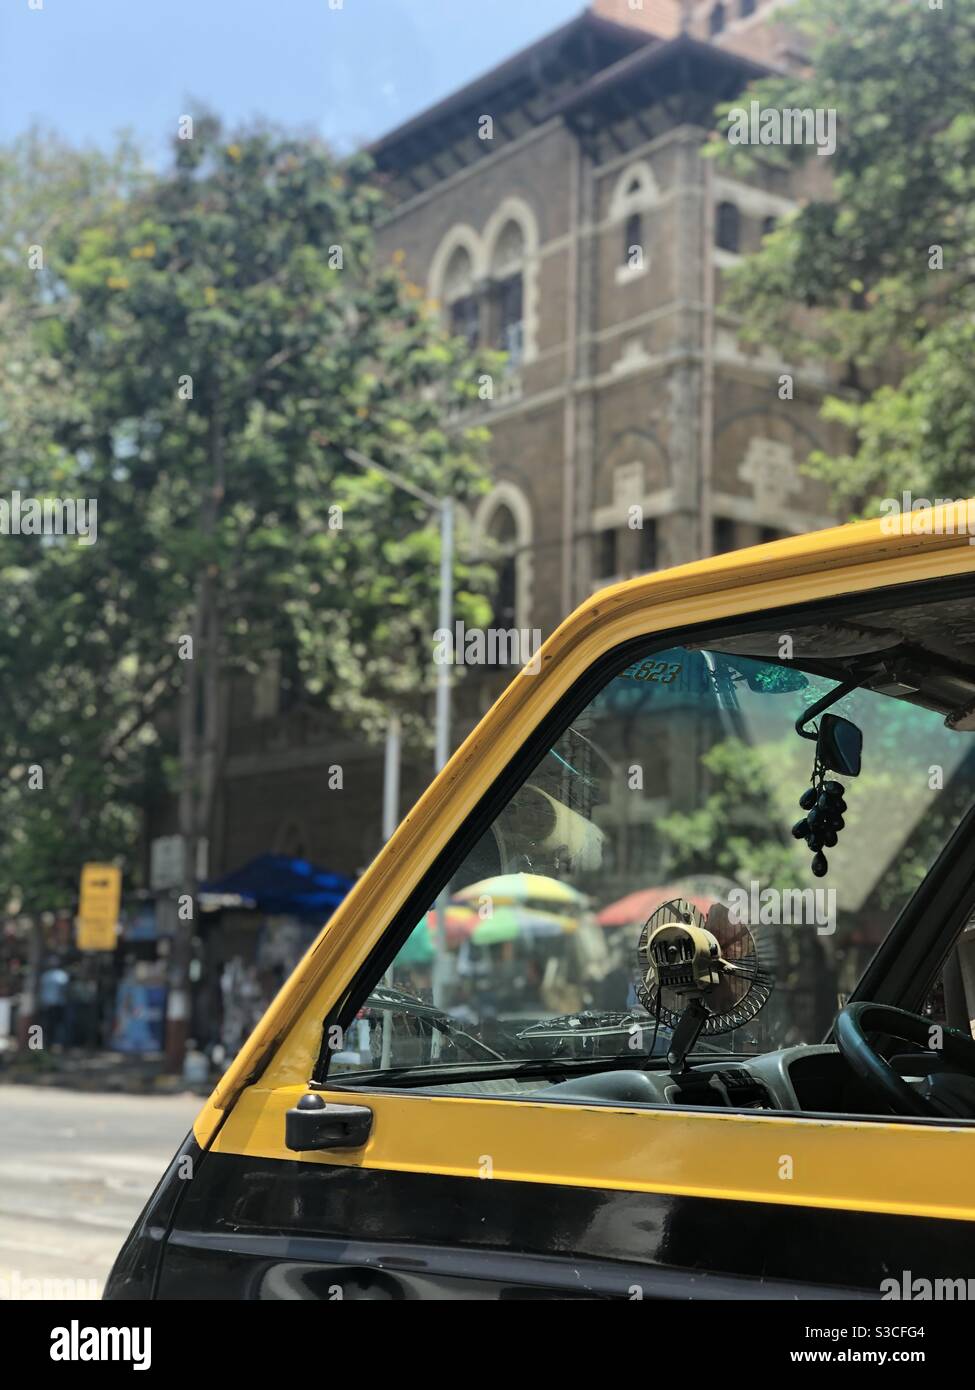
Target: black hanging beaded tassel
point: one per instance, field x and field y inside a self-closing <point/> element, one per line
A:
<point x="820" y="826"/>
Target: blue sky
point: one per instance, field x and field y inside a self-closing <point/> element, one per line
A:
<point x="90" y="67"/>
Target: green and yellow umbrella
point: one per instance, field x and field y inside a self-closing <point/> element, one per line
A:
<point x="511" y="923"/>
<point x="524" y="890"/>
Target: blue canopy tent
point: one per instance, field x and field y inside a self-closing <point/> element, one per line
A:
<point x="278" y="885"/>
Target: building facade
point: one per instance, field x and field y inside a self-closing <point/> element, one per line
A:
<point x="560" y="208"/>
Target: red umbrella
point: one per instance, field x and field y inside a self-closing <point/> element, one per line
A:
<point x="460" y="923"/>
<point x="637" y="907"/>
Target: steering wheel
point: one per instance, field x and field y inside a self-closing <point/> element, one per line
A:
<point x="855" y="1021"/>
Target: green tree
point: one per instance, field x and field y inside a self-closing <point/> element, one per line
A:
<point x="48" y="687"/>
<point x="730" y="832"/>
<point x="875" y="272"/>
<point x="228" y="330"/>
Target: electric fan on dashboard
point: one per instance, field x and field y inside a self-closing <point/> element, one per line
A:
<point x="700" y="976"/>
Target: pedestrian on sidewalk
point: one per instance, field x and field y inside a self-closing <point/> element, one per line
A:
<point x="52" y="999"/>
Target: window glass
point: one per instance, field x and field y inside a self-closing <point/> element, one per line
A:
<point x="465" y="319"/>
<point x="724" y="538"/>
<point x="679" y="783"/>
<point x="633" y="241"/>
<point x="649" y="556"/>
<point x="509" y="299"/>
<point x="506" y="593"/>
<point x="608" y="557"/>
<point x="728" y="227"/>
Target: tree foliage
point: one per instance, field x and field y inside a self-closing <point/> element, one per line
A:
<point x="201" y="348"/>
<point x="64" y="787"/>
<point x="853" y="277"/>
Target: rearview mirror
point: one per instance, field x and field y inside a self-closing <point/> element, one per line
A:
<point x="839" y="745"/>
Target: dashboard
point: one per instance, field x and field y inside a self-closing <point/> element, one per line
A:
<point x="808" y="1078"/>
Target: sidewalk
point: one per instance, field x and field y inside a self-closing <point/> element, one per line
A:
<point x="100" y="1071"/>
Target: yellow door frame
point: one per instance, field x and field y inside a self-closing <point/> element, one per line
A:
<point x="542" y="1141"/>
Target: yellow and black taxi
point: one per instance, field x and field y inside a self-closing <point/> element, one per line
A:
<point x="664" y="989"/>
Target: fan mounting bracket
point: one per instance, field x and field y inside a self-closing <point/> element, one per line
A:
<point x="684" y="1036"/>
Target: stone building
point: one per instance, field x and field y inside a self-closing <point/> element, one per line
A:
<point x="559" y="208"/>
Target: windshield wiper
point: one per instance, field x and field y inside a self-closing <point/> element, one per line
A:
<point x="514" y="1068"/>
<point x="385" y="999"/>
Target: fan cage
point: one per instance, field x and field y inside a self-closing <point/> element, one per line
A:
<point x="758" y="988"/>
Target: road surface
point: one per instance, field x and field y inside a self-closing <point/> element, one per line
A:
<point x="75" y="1170"/>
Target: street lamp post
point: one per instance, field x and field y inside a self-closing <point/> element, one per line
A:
<point x="441" y="749"/>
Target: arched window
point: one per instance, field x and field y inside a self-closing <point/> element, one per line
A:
<point x="458" y="278"/>
<point x="727" y="227"/>
<point x="716" y="20"/>
<point x="509" y="249"/>
<point x="508" y="293"/>
<point x="634" y="191"/>
<point x="463" y="308"/>
<point x="455" y="277"/>
<point x="511" y="268"/>
<point x="633" y="242"/>
<point x="634" y="194"/>
<point x="769" y="225"/>
<point x="747" y="8"/>
<point x="503" y="532"/>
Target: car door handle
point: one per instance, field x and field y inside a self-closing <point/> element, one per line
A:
<point x="314" y="1124"/>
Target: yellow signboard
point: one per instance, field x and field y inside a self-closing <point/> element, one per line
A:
<point x="101" y="897"/>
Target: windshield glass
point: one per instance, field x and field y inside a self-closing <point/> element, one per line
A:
<point x="672" y="797"/>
